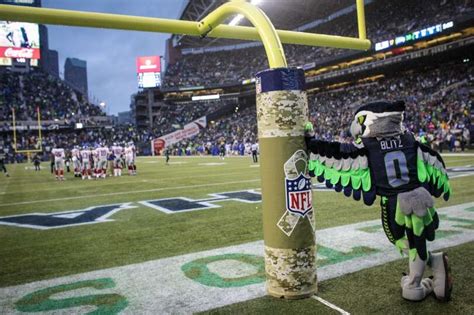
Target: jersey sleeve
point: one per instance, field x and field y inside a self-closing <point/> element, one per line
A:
<point x="342" y="166"/>
<point x="432" y="172"/>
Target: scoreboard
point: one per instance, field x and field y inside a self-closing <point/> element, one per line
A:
<point x="149" y="72"/>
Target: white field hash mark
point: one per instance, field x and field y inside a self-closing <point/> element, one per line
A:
<point x="334" y="307"/>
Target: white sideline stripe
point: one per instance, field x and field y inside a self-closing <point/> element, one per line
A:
<point x="456" y="154"/>
<point x="334" y="307"/>
<point x="127" y="192"/>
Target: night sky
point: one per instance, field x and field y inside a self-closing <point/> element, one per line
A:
<point x="110" y="54"/>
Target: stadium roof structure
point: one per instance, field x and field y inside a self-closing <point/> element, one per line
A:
<point x="284" y="14"/>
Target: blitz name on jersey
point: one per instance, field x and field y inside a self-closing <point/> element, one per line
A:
<point x="391" y="144"/>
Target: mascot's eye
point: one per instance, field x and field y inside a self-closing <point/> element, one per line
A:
<point x="361" y="119"/>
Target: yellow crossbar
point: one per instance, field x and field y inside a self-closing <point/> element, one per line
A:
<point x="147" y="24"/>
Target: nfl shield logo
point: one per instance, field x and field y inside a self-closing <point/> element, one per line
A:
<point x="299" y="195"/>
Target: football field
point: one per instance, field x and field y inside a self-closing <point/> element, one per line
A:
<point x="187" y="238"/>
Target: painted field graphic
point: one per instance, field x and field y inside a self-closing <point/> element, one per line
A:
<point x="206" y="280"/>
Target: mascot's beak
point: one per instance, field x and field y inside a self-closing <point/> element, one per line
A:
<point x="355" y="129"/>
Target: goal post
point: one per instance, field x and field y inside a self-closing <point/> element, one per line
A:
<point x="40" y="139"/>
<point x="282" y="110"/>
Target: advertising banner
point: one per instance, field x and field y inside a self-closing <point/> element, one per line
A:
<point x="190" y="130"/>
<point x="19" y="41"/>
<point x="148" y="64"/>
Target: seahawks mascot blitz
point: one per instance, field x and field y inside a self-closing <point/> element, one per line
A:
<point x="386" y="160"/>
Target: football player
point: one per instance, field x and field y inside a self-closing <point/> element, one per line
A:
<point x="86" y="163"/>
<point x="76" y="161"/>
<point x="59" y="156"/>
<point x="2" y="161"/>
<point x="117" y="150"/>
<point x="95" y="162"/>
<point x="102" y="154"/>
<point x="130" y="155"/>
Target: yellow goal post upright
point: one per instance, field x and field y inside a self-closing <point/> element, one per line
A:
<point x="28" y="152"/>
<point x="282" y="110"/>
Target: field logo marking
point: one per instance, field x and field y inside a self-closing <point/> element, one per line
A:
<point x="183" y="204"/>
<point x="41" y="301"/>
<point x="208" y="271"/>
<point x="45" y="221"/>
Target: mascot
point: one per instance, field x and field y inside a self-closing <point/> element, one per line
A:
<point x="386" y="160"/>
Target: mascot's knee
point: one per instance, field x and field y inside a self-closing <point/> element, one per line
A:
<point x="416" y="201"/>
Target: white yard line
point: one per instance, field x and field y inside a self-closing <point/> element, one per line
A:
<point x="126" y="192"/>
<point x="456" y="154"/>
<point x="334" y="307"/>
<point x="112" y="182"/>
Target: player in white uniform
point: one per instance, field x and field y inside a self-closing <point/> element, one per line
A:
<point x="86" y="163"/>
<point x="102" y="154"/>
<point x="95" y="161"/>
<point x="76" y="161"/>
<point x="117" y="150"/>
<point x="130" y="154"/>
<point x="59" y="157"/>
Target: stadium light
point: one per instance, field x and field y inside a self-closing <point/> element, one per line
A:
<point x="236" y="20"/>
<point x="206" y="97"/>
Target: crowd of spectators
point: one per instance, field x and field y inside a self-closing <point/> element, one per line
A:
<point x="53" y="97"/>
<point x="438" y="107"/>
<point x="384" y="19"/>
<point x="438" y="101"/>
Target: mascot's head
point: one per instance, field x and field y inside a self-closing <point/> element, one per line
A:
<point x="378" y="119"/>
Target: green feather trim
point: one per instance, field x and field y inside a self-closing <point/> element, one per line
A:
<point x="335" y="177"/>
<point x="357" y="178"/>
<point x="430" y="174"/>
<point x="414" y="222"/>
<point x="366" y="180"/>
<point x="356" y="181"/>
<point x="401" y="245"/>
<point x="312" y="165"/>
<point x="399" y="216"/>
<point x="345" y="179"/>
<point x="422" y="172"/>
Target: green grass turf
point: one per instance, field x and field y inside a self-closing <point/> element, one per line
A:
<point x="143" y="234"/>
<point x="373" y="291"/>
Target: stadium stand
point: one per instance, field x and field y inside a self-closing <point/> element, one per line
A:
<point x="226" y="67"/>
<point x="56" y="100"/>
<point x="439" y="105"/>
